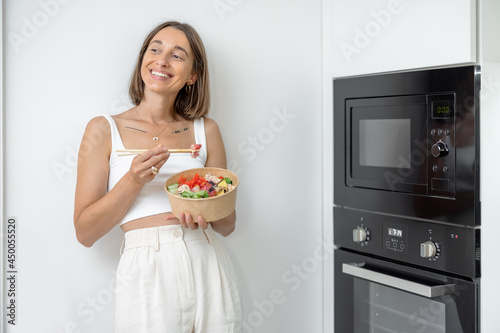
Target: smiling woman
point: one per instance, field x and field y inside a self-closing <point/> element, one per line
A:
<point x="190" y="104"/>
<point x="179" y="276"/>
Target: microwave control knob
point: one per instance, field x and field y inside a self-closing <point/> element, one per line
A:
<point x="359" y="235"/>
<point x="439" y="149"/>
<point x="428" y="249"/>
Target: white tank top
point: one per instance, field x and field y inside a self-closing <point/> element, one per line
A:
<point x="153" y="199"/>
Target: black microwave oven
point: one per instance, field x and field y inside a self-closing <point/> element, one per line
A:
<point x="407" y="143"/>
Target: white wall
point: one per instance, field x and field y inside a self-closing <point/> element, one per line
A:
<point x="490" y="159"/>
<point x="67" y="61"/>
<point x="3" y="238"/>
<point x="327" y="162"/>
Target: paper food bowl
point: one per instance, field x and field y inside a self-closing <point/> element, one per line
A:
<point x="212" y="209"/>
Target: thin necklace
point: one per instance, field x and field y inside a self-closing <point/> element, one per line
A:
<point x="155" y="138"/>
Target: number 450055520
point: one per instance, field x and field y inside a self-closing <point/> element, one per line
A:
<point x="11" y="243"/>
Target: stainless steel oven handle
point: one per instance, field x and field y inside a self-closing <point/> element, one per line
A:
<point x="357" y="270"/>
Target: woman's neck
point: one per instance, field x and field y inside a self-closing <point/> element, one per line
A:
<point x="157" y="108"/>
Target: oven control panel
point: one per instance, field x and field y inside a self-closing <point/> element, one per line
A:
<point x="429" y="250"/>
<point x="431" y="245"/>
<point x="395" y="238"/>
<point x="361" y="235"/>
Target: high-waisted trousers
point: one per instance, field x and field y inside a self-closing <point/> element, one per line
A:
<point x="176" y="280"/>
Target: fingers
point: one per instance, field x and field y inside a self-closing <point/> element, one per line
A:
<point x="201" y="223"/>
<point x="141" y="169"/>
<point x="187" y="221"/>
<point x="154" y="155"/>
<point x="170" y="217"/>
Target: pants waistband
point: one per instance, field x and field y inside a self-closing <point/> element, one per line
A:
<point x="155" y="236"/>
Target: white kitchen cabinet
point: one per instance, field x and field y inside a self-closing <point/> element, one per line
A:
<point x="378" y="36"/>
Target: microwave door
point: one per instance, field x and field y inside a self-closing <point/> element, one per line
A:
<point x="387" y="144"/>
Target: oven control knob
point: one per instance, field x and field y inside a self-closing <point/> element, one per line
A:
<point x="359" y="235"/>
<point x="439" y="149"/>
<point x="428" y="250"/>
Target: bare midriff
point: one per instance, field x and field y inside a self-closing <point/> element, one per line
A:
<point x="149" y="221"/>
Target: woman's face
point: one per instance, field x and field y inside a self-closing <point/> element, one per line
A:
<point x="167" y="64"/>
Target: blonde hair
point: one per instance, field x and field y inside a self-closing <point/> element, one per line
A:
<point x="190" y="105"/>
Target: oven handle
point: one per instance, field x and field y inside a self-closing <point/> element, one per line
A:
<point x="357" y="270"/>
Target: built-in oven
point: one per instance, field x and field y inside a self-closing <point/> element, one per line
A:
<point x="380" y="297"/>
<point x="406" y="202"/>
<point x="407" y="143"/>
<point x="398" y="275"/>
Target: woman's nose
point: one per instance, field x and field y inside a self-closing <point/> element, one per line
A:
<point x="163" y="61"/>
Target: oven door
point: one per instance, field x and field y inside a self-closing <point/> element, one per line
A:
<point x="375" y="296"/>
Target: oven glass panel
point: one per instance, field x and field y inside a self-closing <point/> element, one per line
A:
<point x="385" y="143"/>
<point x="381" y="309"/>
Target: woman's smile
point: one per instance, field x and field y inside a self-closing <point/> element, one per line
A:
<point x="160" y="75"/>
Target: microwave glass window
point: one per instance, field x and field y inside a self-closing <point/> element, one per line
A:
<point x="381" y="309"/>
<point x="385" y="143"/>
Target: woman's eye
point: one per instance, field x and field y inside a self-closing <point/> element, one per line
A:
<point x="176" y="56"/>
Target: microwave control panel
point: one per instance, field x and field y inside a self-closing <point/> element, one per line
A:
<point x="441" y="144"/>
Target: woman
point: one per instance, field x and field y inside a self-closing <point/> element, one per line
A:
<point x="178" y="277"/>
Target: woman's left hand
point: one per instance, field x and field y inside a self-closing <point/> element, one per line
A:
<point x="187" y="221"/>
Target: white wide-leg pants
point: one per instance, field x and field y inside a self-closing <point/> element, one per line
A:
<point x="176" y="280"/>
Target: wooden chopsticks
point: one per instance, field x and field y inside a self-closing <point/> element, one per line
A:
<point x="127" y="152"/>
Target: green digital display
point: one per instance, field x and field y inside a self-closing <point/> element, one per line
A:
<point x="441" y="109"/>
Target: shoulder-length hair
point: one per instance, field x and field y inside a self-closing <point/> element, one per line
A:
<point x="192" y="104"/>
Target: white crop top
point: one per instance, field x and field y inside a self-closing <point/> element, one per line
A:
<point x="153" y="199"/>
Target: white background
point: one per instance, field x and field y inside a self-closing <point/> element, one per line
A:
<point x="490" y="160"/>
<point x="68" y="61"/>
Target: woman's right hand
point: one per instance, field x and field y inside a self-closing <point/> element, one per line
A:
<point x="141" y="170"/>
<point x="97" y="208"/>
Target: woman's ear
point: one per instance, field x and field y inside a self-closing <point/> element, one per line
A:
<point x="192" y="79"/>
